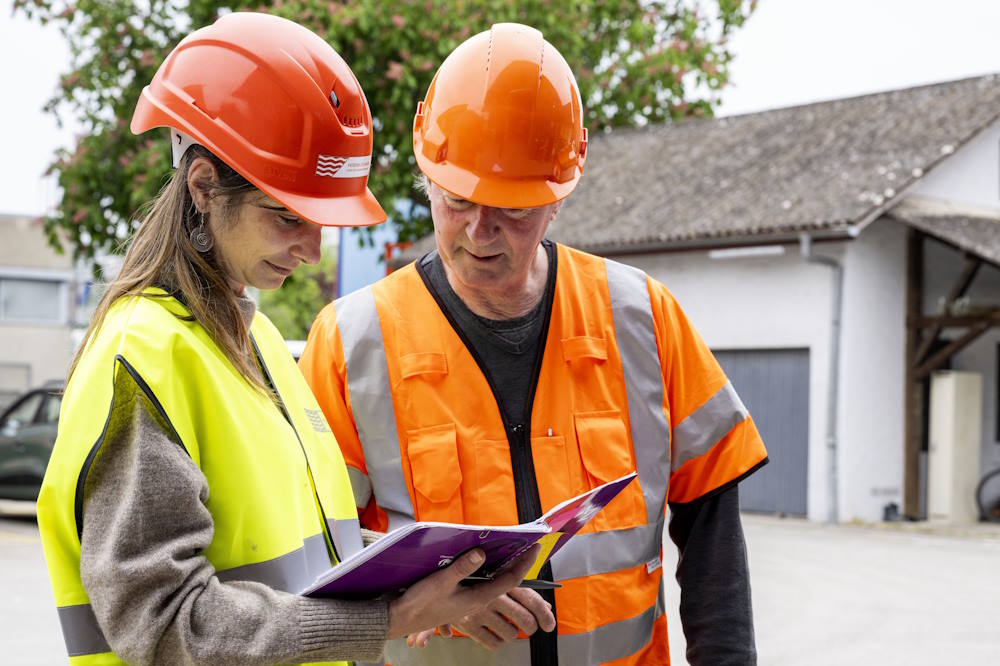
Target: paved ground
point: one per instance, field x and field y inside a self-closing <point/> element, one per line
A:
<point x="908" y="594"/>
<point x="29" y="627"/>
<point x="917" y="595"/>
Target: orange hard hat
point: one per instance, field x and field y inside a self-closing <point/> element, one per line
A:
<point x="502" y="123"/>
<point x="275" y="102"/>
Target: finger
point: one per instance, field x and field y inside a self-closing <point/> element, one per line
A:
<point x="478" y="596"/>
<point x="483" y="636"/>
<point x="500" y="625"/>
<point x="420" y="638"/>
<point x="423" y="637"/>
<point x="514" y="574"/>
<point x="492" y="621"/>
<point x="445" y="630"/>
<point x="514" y="613"/>
<point x="463" y="567"/>
<point x="540" y="609"/>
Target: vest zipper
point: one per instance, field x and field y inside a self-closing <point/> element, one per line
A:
<point x="544" y="646"/>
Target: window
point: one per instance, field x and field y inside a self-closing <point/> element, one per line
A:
<point x="30" y="300"/>
<point x="50" y="410"/>
<point x="21" y="414"/>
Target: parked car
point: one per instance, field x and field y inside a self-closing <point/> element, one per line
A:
<point x="27" y="433"/>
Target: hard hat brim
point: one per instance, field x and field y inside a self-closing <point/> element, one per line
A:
<point x="493" y="190"/>
<point x="362" y="210"/>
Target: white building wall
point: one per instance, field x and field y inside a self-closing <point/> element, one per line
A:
<point x="783" y="302"/>
<point x="971" y="177"/>
<point x="47" y="349"/>
<point x="873" y="343"/>
<point x="774" y="302"/>
<point x="44" y="349"/>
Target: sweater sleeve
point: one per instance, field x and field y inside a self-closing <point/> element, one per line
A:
<point x="714" y="579"/>
<point x="156" y="596"/>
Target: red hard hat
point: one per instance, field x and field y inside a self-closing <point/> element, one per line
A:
<point x="502" y="123"/>
<point x="277" y="104"/>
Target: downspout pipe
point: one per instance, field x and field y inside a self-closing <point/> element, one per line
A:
<point x="805" y="245"/>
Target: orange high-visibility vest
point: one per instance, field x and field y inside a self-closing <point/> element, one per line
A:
<point x="625" y="384"/>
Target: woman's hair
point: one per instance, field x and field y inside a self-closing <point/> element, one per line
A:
<point x="161" y="254"/>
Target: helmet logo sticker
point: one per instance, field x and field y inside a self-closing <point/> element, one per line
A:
<point x="334" y="166"/>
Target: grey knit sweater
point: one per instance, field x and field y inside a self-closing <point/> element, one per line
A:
<point x="157" y="598"/>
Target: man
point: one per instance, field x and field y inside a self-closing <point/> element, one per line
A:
<point x="503" y="374"/>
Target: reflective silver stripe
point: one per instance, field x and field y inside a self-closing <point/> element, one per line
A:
<point x="604" y="552"/>
<point x="460" y="652"/>
<point x="81" y="631"/>
<point x="700" y="431"/>
<point x="361" y="485"/>
<point x="291" y="572"/>
<point x="611" y="641"/>
<point x="346" y="533"/>
<point x="371" y="402"/>
<point x="636" y="337"/>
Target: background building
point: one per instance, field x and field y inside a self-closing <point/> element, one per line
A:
<point x="835" y="256"/>
<point x="39" y="290"/>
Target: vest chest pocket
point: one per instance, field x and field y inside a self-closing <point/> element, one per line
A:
<point x="606" y="453"/>
<point x="494" y="501"/>
<point x="436" y="473"/>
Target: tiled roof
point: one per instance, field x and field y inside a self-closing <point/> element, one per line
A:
<point x="979" y="235"/>
<point x="821" y="167"/>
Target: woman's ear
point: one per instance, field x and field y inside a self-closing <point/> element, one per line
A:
<point x="200" y="177"/>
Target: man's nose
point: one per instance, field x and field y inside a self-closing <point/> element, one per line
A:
<point x="482" y="227"/>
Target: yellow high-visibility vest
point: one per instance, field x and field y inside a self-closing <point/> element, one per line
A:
<point x="280" y="497"/>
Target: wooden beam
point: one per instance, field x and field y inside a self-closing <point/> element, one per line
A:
<point x="913" y="403"/>
<point x="941" y="357"/>
<point x="958" y="290"/>
<point x="952" y="321"/>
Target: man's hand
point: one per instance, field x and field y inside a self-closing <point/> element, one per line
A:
<point x="440" y="599"/>
<point x="520" y="609"/>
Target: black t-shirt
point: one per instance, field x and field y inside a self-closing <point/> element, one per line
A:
<point x="507" y="348"/>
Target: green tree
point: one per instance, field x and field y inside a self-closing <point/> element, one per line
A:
<point x="293" y="307"/>
<point x="636" y="61"/>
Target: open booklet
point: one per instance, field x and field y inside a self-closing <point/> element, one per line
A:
<point x="407" y="554"/>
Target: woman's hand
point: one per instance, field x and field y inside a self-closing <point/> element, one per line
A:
<point x="440" y="599"/>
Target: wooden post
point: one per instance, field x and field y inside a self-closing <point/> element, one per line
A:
<point x="913" y="423"/>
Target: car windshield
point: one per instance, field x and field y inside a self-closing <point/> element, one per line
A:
<point x="22" y="413"/>
<point x="50" y="410"/>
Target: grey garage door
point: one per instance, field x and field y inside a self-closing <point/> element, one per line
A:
<point x="774" y="385"/>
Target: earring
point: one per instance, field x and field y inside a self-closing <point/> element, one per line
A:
<point x="200" y="236"/>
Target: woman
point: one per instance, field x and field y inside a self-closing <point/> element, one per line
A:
<point x="194" y="486"/>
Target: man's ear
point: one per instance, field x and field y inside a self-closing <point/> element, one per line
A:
<point x="200" y="177"/>
<point x="555" y="209"/>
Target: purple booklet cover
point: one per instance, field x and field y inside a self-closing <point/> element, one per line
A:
<point x="414" y="551"/>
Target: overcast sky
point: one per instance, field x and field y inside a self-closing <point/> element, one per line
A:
<point x="789" y="52"/>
